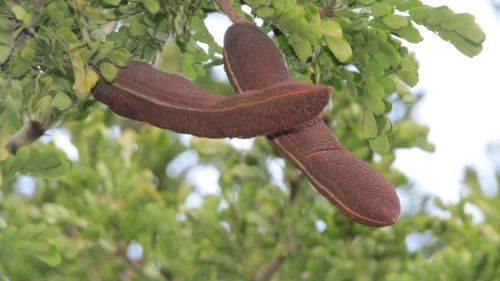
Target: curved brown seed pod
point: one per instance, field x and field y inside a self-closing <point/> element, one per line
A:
<point x="173" y="102"/>
<point x="358" y="190"/>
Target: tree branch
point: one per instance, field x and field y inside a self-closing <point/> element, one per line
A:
<point x="28" y="134"/>
<point x="266" y="273"/>
<point x="268" y="270"/>
<point x="230" y="11"/>
<point x="294" y="188"/>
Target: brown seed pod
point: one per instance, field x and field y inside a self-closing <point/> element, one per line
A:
<point x="358" y="190"/>
<point x="173" y="102"/>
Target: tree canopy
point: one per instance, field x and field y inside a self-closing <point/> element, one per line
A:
<point x="120" y="211"/>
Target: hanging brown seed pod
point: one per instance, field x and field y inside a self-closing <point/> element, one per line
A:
<point x="173" y="102"/>
<point x="253" y="62"/>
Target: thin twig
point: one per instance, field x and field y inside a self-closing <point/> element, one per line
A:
<point x="136" y="266"/>
<point x="267" y="272"/>
<point x="294" y="183"/>
<point x="230" y="11"/>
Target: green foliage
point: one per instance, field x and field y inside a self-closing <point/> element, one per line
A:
<point x="130" y="186"/>
<point x="30" y="240"/>
<point x="118" y="193"/>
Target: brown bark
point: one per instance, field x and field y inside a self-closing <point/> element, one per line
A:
<point x="28" y="134"/>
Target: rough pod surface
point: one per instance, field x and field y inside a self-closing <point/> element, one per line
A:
<point x="253" y="62"/>
<point x="173" y="102"/>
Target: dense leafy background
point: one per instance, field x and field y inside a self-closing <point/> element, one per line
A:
<point x="128" y="189"/>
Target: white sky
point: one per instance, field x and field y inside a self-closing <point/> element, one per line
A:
<point x="461" y="106"/>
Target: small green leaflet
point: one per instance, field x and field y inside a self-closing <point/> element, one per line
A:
<point x="264" y="12"/>
<point x="153" y="6"/>
<point x="108" y="71"/>
<point x="375" y="104"/>
<point x="340" y="48"/>
<point x="4" y="53"/>
<point x="381" y="9"/>
<point x="112" y="2"/>
<point x="365" y="2"/>
<point x="395" y="21"/>
<point x="19" y="12"/>
<point x="61" y="101"/>
<point x="187" y="66"/>
<point x="331" y="29"/>
<point x="410" y="33"/>
<point x="119" y="57"/>
<point x="381" y="144"/>
<point x="302" y="47"/>
<point x="369" y="125"/>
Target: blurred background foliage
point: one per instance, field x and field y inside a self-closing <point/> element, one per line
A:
<point x="124" y="206"/>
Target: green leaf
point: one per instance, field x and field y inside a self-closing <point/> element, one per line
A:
<point x="14" y="119"/>
<point x="67" y="35"/>
<point x="90" y="80"/>
<point x="395" y="21"/>
<point x="19" y="12"/>
<point x="301" y="47"/>
<point x="187" y="67"/>
<point x="331" y="29"/>
<point x="28" y="54"/>
<point x="6" y="25"/>
<point x="4" y="53"/>
<point x="375" y="104"/>
<point x="22" y="158"/>
<point x="340" y="49"/>
<point x="264" y="12"/>
<point x="408" y="4"/>
<point x="19" y="68"/>
<point x="43" y="104"/>
<point x="390" y="53"/>
<point x="410" y="33"/>
<point x="7" y="233"/>
<point x="408" y="76"/>
<point x="369" y="125"/>
<point x="12" y="102"/>
<point x="28" y="20"/>
<point x="383" y="124"/>
<point x="388" y="84"/>
<point x="54" y="172"/>
<point x="61" y="101"/>
<point x="119" y="57"/>
<point x="420" y="14"/>
<point x="381" y="59"/>
<point x="153" y="6"/>
<point x="256" y="3"/>
<point x="137" y="28"/>
<point x="104" y="50"/>
<point x="108" y="71"/>
<point x="381" y="9"/>
<point x="198" y="25"/>
<point x="464" y="24"/>
<point x="381" y="144"/>
<point x="461" y="44"/>
<point x="312" y="32"/>
<point x="51" y="258"/>
<point x="377" y="90"/>
<point x="365" y="2"/>
<point x="6" y="38"/>
<point x="3" y="224"/>
<point x="112" y="2"/>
